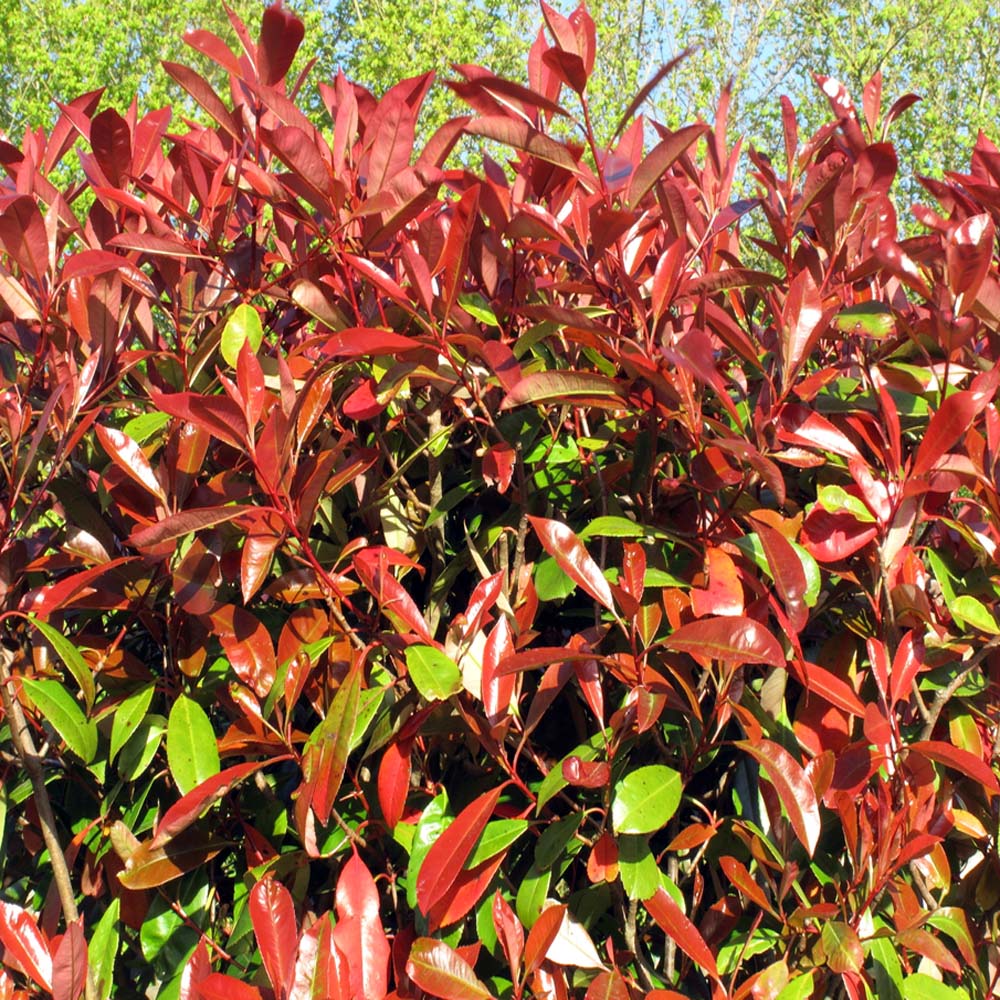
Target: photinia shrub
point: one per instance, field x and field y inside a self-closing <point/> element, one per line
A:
<point x="504" y="580"/>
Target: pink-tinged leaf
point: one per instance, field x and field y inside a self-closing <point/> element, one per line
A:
<point x="17" y="299"/>
<point x="732" y="640"/>
<point x="543" y="932"/>
<point x="439" y="970"/>
<point x="573" y="388"/>
<point x="324" y="759"/>
<point x="281" y="33"/>
<point x="906" y="664"/>
<point x="673" y="922"/>
<point x="220" y="416"/>
<point x="607" y="986"/>
<point x="359" y="933"/>
<point x="969" y="253"/>
<point x="389" y="137"/>
<point x="248" y="647"/>
<point x="23" y="236"/>
<point x="801" y="324"/>
<point x="157" y="246"/>
<point x="788" y="573"/>
<point x="794" y="789"/>
<point x="215" y="48"/>
<point x="467" y="890"/>
<point x="196" y="970"/>
<point x="952" y="421"/>
<point x="960" y="760"/>
<point x="90" y="263"/>
<point x="44" y="601"/>
<point x="498" y="466"/>
<point x="648" y="87"/>
<point x="452" y="849"/>
<point x="187" y="809"/>
<point x="24" y="941"/>
<point x="724" y="594"/>
<point x="69" y="964"/>
<point x="832" y="689"/>
<point x="844" y="951"/>
<point x="573" y="559"/>
<point x="129" y="457"/>
<point x="833" y="537"/>
<point x="221" y="987"/>
<point x="510" y="934"/>
<point x="660" y="159"/>
<point x="307" y="958"/>
<point x="185" y="523"/>
<point x="272" y="914"/>
<point x="454" y="260"/>
<point x="366" y="342"/>
<point x="520" y="135"/>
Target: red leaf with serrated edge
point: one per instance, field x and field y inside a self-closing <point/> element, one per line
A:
<point x="959" y="759"/>
<point x="452" y="849"/>
<point x="281" y="33"/>
<point x="69" y="964"/>
<point x="439" y="970"/>
<point x="953" y="419"/>
<point x="396" y="604"/>
<point x="129" y="457"/>
<point x="510" y="934"/>
<point x="272" y="914"/>
<point x="195" y="803"/>
<point x="359" y="933"/>
<point x="248" y="647"/>
<point x="26" y="943"/>
<point x="394" y="780"/>
<point x="543" y="932"/>
<point x="794" y="789"/>
<point x="724" y="594"/>
<point x="498" y="689"/>
<point x="218" y="986"/>
<point x="672" y="921"/>
<point x="568" y="551"/>
<point x="733" y="640"/>
<point x="185" y="523"/>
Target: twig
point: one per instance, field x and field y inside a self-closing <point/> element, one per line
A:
<point x="947" y="693"/>
<point x="25" y="746"/>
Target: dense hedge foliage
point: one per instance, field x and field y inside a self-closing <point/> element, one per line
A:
<point x="502" y="582"/>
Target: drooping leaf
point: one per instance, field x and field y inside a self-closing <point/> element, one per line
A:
<point x="60" y="709"/>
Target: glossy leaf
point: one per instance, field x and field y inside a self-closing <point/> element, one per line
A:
<point x="192" y="752"/>
<point x="644" y="799"/>
<point x="25" y="942"/>
<point x="276" y="929"/>
<point x="148" y="867"/>
<point x="568" y="551"/>
<point x="434" y="674"/>
<point x="733" y="640"/>
<point x="672" y="920"/>
<point x="60" y="708"/>
<point x="439" y="970"/>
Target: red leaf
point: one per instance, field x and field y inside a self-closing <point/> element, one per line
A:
<point x="671" y="919"/>
<point x="359" y="933"/>
<point x="832" y="537"/>
<point x="148" y="867"/>
<point x="969" y="253"/>
<point x="455" y="252"/>
<point x="25" y="943"/>
<point x="789" y="576"/>
<point x="221" y="987"/>
<point x="281" y="33"/>
<point x="451" y="850"/>
<point x="467" y="889"/>
<point x="831" y="688"/>
<point x="510" y="934"/>
<point x="733" y="640"/>
<point x="798" y="424"/>
<point x="801" y="322"/>
<point x="247" y="644"/>
<point x="272" y="913"/>
<point x="724" y="594"/>
<point x="577" y="388"/>
<point x="394" y="780"/>
<point x="568" y="551"/>
<point x="111" y="142"/>
<point x="543" y="932"/>
<point x="372" y="568"/>
<point x="23" y="236"/>
<point x="521" y="135"/>
<point x="69" y="964"/>
<point x="607" y="986"/>
<point x="439" y="970"/>
<point x="959" y="759"/>
<point x="185" y="523"/>
<point x="190" y="807"/>
<point x="740" y="877"/>
<point x="365" y="342"/>
<point x="203" y="94"/>
<point x="498" y="688"/>
<point x="953" y="419"/>
<point x="794" y="789"/>
<point x="660" y="159"/>
<point x="906" y="664"/>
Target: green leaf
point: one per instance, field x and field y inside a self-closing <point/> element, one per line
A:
<point x="645" y="799"/>
<point x="836" y="499"/>
<point x="887" y="970"/>
<point x="919" y="986"/>
<point x="610" y="526"/>
<point x="435" y="675"/>
<point x="141" y="428"/>
<point x="141" y="747"/>
<point x="637" y="867"/>
<point x="800" y="988"/>
<point x="192" y="752"/>
<point x="103" y="950"/>
<point x="433" y="821"/>
<point x="842" y="945"/>
<point x="973" y="612"/>
<point x="64" y="714"/>
<point x="531" y="895"/>
<point x="551" y="583"/>
<point x="497" y="837"/>
<point x="871" y="318"/>
<point x="127" y="717"/>
<point x="70" y="655"/>
<point x="478" y="308"/>
<point x="242" y="327"/>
